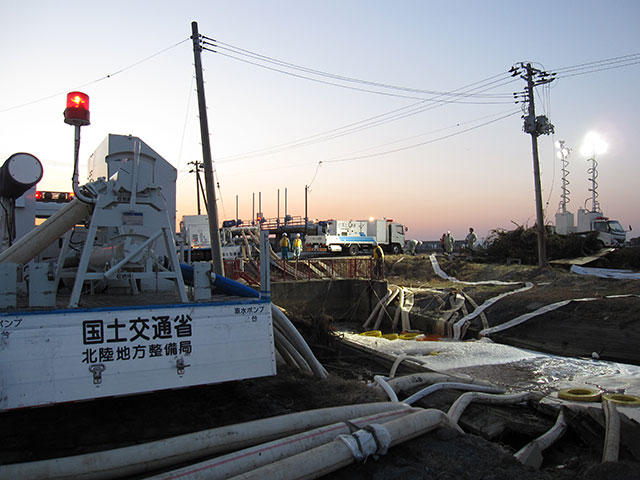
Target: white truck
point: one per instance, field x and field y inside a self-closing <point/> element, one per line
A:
<point x="610" y="232"/>
<point x="351" y="237"/>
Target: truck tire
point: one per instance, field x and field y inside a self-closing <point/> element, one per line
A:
<point x="350" y="250"/>
<point x="395" y="249"/>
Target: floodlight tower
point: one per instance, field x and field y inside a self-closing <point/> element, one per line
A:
<point x="563" y="153"/>
<point x="564" y="218"/>
<point x="593" y="146"/>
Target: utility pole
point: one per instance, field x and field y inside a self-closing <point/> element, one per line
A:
<point x="197" y="168"/>
<point x="216" y="246"/>
<point x="306" y="213"/>
<point x="535" y="126"/>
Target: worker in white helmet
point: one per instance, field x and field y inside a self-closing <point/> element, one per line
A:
<point x="284" y="246"/>
<point x="297" y="247"/>
<point x="448" y="243"/>
<point x="411" y="245"/>
<point x="471" y="239"/>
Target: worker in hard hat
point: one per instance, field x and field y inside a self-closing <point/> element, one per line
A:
<point x="297" y="247"/>
<point x="411" y="245"/>
<point x="284" y="246"/>
<point x="448" y="243"/>
<point x="471" y="239"/>
<point x="378" y="261"/>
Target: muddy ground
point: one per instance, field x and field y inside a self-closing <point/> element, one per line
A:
<point x="84" y="427"/>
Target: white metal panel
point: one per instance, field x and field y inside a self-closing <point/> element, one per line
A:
<point x="378" y="230"/>
<point x="49" y="357"/>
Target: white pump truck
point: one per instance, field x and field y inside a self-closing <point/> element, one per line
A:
<point x="351" y="237"/>
<point x="610" y="233"/>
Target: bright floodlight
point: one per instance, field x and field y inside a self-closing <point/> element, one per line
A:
<point x="593" y="145"/>
<point x="371" y="219"/>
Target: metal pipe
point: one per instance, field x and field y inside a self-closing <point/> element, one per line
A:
<point x="38" y="239"/>
<point x="74" y="179"/>
<point x="132" y="254"/>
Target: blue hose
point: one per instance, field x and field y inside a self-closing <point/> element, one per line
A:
<point x="222" y="284"/>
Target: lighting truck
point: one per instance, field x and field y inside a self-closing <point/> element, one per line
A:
<point x="610" y="232"/>
<point x="351" y="237"/>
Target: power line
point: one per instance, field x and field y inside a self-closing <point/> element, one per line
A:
<point x="377" y="92"/>
<point x="594" y="70"/>
<point x="240" y="51"/>
<point x="444" y="137"/>
<point x="110" y="75"/>
<point x="598" y="63"/>
<point x="423" y="143"/>
<point x="377" y="120"/>
<point x="457" y="125"/>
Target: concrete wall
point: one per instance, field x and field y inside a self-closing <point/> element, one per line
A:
<point x="348" y="300"/>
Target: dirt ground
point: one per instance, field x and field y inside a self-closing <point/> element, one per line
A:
<point x="620" y="314"/>
<point x="71" y="429"/>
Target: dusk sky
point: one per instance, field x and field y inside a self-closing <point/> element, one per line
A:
<point x="444" y="152"/>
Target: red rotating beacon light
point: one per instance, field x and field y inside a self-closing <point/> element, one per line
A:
<point x="77" y="111"/>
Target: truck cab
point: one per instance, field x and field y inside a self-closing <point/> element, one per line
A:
<point x="610" y="232"/>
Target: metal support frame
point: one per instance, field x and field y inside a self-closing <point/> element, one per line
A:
<point x="265" y="268"/>
<point x="108" y="213"/>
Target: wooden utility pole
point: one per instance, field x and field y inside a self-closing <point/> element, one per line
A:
<point x="536" y="126"/>
<point x="306" y="212"/>
<point x="216" y="246"/>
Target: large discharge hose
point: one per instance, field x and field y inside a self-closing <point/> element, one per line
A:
<point x="38" y="239"/>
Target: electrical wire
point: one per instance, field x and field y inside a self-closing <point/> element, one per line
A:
<point x="256" y="56"/>
<point x="423" y="143"/>
<point x="457" y="125"/>
<point x="186" y="119"/>
<point x="600" y="65"/>
<point x="356" y="88"/>
<point x="110" y="75"/>
<point x="355" y="127"/>
<point x="600" y="69"/>
<point x="322" y="162"/>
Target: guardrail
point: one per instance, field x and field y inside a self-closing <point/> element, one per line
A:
<point x="306" y="269"/>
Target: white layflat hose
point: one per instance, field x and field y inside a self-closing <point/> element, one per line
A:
<point x="453" y="386"/>
<point x="401" y="358"/>
<point x="458" y="407"/>
<point x="382" y="383"/>
<point x="415" y="380"/>
<point x="457" y="327"/>
<point x="396" y="315"/>
<point x="284" y="345"/>
<point x="292" y="334"/>
<point x="612" y="433"/>
<point x="282" y="354"/>
<point x="531" y="454"/>
<point x="377" y="308"/>
<point x="328" y="458"/>
<point x="395" y="290"/>
<point x="255" y="457"/>
<point x="34" y="242"/>
<point x="151" y="456"/>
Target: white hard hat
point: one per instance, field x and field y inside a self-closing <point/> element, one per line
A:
<point x="297" y="234"/>
<point x="284" y="234"/>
